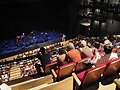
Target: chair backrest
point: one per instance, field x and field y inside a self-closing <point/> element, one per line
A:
<point x="66" y="84"/>
<point x="93" y="74"/>
<point x="65" y="70"/>
<point x="113" y="66"/>
<point x="50" y="66"/>
<point x="80" y="66"/>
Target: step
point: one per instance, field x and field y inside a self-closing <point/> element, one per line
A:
<point x="12" y="71"/>
<point x="15" y="74"/>
<point x="13" y="78"/>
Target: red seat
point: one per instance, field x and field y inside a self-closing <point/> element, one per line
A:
<point x="91" y="75"/>
<point x="65" y="70"/>
<point x="50" y="66"/>
<point x="80" y="66"/>
<point x="113" y="66"/>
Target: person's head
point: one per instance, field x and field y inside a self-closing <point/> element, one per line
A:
<point x="83" y="43"/>
<point x="71" y="46"/>
<point x="97" y="45"/>
<point x="107" y="49"/>
<point x="61" y="51"/>
<point x="42" y="50"/>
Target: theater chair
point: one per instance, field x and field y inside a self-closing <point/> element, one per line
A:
<point x="63" y="71"/>
<point x="48" y="68"/>
<point x="66" y="84"/>
<point x="117" y="82"/>
<point x="80" y="66"/>
<point x="113" y="66"/>
<point x="88" y="77"/>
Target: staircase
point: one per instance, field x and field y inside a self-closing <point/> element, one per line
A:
<point x="15" y="72"/>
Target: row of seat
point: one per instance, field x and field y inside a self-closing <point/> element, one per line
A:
<point x="85" y="75"/>
<point x="82" y="79"/>
<point x="79" y="66"/>
<point x="92" y="75"/>
<point x="27" y="67"/>
<point x="65" y="70"/>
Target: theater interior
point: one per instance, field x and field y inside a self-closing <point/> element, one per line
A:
<point x="28" y="25"/>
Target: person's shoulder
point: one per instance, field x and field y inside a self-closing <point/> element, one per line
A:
<point x="112" y="54"/>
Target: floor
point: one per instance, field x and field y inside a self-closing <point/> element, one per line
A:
<point x="105" y="84"/>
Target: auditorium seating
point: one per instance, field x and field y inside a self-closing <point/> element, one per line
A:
<point x="80" y="66"/>
<point x="113" y="66"/>
<point x="63" y="71"/>
<point x="95" y="74"/>
<point x="4" y="77"/>
<point x="4" y="73"/>
<point x="27" y="67"/>
<point x="48" y="68"/>
<point x="89" y="76"/>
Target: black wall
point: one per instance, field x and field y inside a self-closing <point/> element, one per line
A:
<point x="18" y="16"/>
<point x="27" y="16"/>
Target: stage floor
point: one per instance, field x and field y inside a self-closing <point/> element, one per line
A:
<point x="37" y="40"/>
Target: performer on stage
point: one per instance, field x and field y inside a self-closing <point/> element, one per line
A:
<point x="63" y="37"/>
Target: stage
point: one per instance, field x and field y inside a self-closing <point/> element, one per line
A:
<point x="35" y="40"/>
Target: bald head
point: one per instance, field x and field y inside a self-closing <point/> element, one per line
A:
<point x="71" y="46"/>
<point x="83" y="42"/>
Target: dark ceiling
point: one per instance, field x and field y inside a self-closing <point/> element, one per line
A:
<point x="27" y="1"/>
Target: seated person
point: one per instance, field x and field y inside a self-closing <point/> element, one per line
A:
<point x="85" y="49"/>
<point x="107" y="41"/>
<point x="96" y="52"/>
<point x="61" y="57"/>
<point x="118" y="51"/>
<point x="97" y="55"/>
<point x="73" y="54"/>
<point x="113" y="54"/>
<point x="44" y="57"/>
<point x="108" y="55"/>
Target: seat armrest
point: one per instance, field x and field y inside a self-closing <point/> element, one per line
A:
<point x="54" y="74"/>
<point x="76" y="79"/>
<point x="41" y="69"/>
<point x="117" y="82"/>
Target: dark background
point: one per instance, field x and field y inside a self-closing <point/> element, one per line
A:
<point x="24" y="16"/>
<point x="18" y="16"/>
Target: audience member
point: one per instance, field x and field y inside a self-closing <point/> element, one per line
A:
<point x="61" y="57"/>
<point x="113" y="54"/>
<point x="97" y="55"/>
<point x="85" y="49"/>
<point x="107" y="56"/>
<point x="73" y="54"/>
<point x="44" y="57"/>
<point x="107" y="41"/>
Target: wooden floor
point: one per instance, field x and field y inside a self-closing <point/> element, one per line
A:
<point x="105" y="84"/>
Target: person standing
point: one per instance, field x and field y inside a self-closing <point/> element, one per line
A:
<point x="63" y="37"/>
<point x="44" y="57"/>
